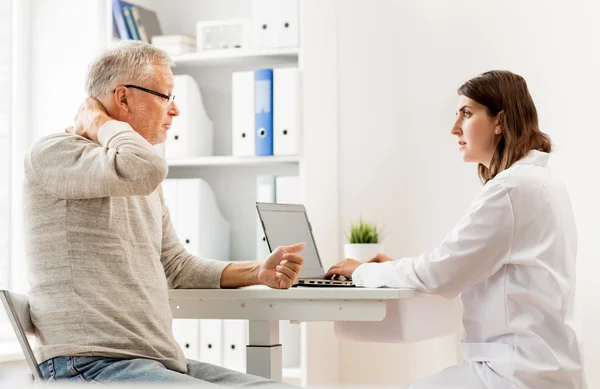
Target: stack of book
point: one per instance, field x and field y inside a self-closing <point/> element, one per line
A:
<point x="134" y="22"/>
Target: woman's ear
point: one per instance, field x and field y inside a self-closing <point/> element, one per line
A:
<point x="498" y="123"/>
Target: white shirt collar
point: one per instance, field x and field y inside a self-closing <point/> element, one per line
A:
<point x="534" y="157"/>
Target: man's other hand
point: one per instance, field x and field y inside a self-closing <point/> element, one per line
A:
<point x="282" y="268"/>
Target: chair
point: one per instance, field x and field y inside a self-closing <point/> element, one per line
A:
<point x="17" y="309"/>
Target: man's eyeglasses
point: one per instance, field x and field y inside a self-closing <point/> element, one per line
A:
<point x="169" y="99"/>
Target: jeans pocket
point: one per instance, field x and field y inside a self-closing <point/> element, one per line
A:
<point x="47" y="370"/>
<point x="88" y="367"/>
<point x="76" y="373"/>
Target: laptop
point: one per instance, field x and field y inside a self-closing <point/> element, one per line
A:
<point x="287" y="224"/>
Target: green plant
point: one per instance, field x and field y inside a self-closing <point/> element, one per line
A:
<point x="363" y="232"/>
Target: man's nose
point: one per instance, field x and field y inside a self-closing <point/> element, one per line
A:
<point x="173" y="109"/>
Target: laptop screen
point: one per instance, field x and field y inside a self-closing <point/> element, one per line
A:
<point x="288" y="224"/>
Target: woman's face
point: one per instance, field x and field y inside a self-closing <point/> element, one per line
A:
<point x="475" y="131"/>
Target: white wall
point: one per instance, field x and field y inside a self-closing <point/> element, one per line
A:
<point x="400" y="63"/>
<point x="48" y="87"/>
<point x="58" y="71"/>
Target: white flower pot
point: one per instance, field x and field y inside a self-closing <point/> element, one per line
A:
<point x="362" y="251"/>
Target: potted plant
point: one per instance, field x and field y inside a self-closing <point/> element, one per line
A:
<point x="364" y="241"/>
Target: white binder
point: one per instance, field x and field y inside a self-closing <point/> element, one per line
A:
<point x="195" y="215"/>
<point x="200" y="225"/>
<point x="290" y="343"/>
<point x="286" y="111"/>
<point x="274" y="23"/>
<point x="169" y="188"/>
<point x="191" y="133"/>
<point x="235" y="339"/>
<point x="288" y="190"/>
<point x="188" y="215"/>
<point x="287" y="23"/>
<point x="160" y="149"/>
<point x="265" y="193"/>
<point x="204" y="232"/>
<point x="242" y="114"/>
<point x="186" y="334"/>
<point x="211" y="341"/>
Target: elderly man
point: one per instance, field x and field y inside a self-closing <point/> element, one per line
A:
<point x="101" y="246"/>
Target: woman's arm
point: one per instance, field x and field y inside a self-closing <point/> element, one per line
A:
<point x="476" y="248"/>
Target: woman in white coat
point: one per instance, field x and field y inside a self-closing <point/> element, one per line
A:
<point x="511" y="258"/>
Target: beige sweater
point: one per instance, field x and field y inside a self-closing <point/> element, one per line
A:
<point x="102" y="250"/>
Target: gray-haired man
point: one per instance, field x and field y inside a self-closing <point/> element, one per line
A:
<point x="101" y="247"/>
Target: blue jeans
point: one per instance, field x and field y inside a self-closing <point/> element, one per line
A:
<point x="108" y="370"/>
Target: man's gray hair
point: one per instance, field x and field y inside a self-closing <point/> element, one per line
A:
<point x="125" y="62"/>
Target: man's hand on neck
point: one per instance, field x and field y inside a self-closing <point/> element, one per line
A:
<point x="90" y="117"/>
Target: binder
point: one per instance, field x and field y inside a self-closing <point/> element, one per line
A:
<point x="191" y="134"/>
<point x="196" y="217"/>
<point x="288" y="190"/>
<point x="286" y="111"/>
<point x="115" y="29"/>
<point x="265" y="193"/>
<point x="186" y="333"/>
<point x="211" y="341"/>
<point x="263" y="110"/>
<point x="146" y="22"/>
<point x="188" y="215"/>
<point x="201" y="227"/>
<point x="264" y="16"/>
<point x="119" y="20"/>
<point x="235" y="339"/>
<point x="274" y="23"/>
<point x="290" y="342"/>
<point x="169" y="188"/>
<point x="129" y="20"/>
<point x="286" y="24"/>
<point x="242" y="114"/>
<point x="160" y="149"/>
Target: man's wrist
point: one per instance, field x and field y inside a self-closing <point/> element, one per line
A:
<point x="255" y="273"/>
<point x="99" y="120"/>
<point x="237" y="275"/>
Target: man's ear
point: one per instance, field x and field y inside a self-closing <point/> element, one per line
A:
<point x="121" y="98"/>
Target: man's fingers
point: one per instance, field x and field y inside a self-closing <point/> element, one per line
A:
<point x="295" y="248"/>
<point x="287" y="271"/>
<point x="286" y="281"/>
<point x="299" y="259"/>
<point x="295" y="267"/>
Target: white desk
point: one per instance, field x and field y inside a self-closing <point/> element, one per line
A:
<point x="264" y="307"/>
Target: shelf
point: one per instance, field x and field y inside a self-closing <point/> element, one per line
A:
<point x="228" y="161"/>
<point x="238" y="57"/>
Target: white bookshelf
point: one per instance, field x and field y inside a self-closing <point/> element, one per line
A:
<point x="233" y="179"/>
<point x="239" y="57"/>
<point x="231" y="161"/>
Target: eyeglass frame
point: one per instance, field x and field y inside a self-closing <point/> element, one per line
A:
<point x="169" y="98"/>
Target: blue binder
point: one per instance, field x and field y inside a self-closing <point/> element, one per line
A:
<point x="119" y="20"/>
<point x="263" y="111"/>
<point x="133" y="32"/>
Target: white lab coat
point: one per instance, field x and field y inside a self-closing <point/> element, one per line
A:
<point x="511" y="260"/>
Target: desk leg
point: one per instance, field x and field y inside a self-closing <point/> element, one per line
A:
<point x="263" y="353"/>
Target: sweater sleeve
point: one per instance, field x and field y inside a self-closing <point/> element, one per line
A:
<point x="184" y="270"/>
<point x="69" y="166"/>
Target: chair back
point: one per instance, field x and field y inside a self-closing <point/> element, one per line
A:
<point x="17" y="309"/>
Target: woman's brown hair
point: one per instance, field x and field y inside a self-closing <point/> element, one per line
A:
<point x="506" y="92"/>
